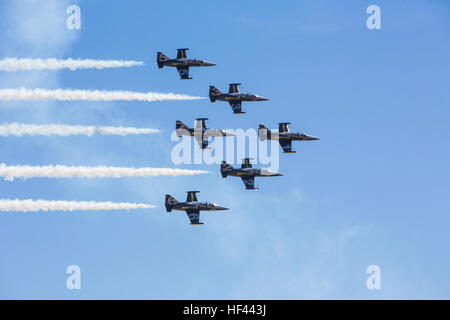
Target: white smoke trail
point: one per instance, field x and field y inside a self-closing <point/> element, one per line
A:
<point x="88" y="95"/>
<point x="43" y="205"/>
<point x="9" y="173"/>
<point x="15" y="64"/>
<point x="21" y="129"/>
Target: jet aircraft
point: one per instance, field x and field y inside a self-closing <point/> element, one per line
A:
<point x="200" y="132"/>
<point x="234" y="97"/>
<point x="182" y="63"/>
<point x="246" y="173"/>
<point x="191" y="206"/>
<point x="284" y="136"/>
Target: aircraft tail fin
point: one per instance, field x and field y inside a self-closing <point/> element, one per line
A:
<point x="181" y="128"/>
<point x="213" y="92"/>
<point x="225" y="168"/>
<point x="264" y="133"/>
<point x="170" y="202"/>
<point x="160" y="59"/>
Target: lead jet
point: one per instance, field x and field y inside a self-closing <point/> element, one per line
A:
<point x="191" y="206"/>
<point x="284" y="136"/>
<point x="246" y="173"/>
<point x="182" y="63"/>
<point x="234" y="97"/>
<point x="201" y="133"/>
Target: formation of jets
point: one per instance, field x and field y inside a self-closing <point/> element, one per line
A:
<point x="201" y="134"/>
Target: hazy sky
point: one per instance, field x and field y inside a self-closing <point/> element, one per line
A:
<point x="373" y="191"/>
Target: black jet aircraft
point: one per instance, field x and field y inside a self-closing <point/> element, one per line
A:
<point x="284" y="136"/>
<point x="191" y="206"/>
<point x="200" y="132"/>
<point x="246" y="173"/>
<point x="233" y="97"/>
<point x="182" y="63"/>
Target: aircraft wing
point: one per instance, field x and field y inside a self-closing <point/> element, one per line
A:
<point x="200" y="123"/>
<point x="202" y="140"/>
<point x="246" y="163"/>
<point x="192" y="196"/>
<point x="194" y="216"/>
<point x="236" y="106"/>
<point x="184" y="72"/>
<point x="286" y="144"/>
<point x="249" y="182"/>
<point x="181" y="53"/>
<point x="283" y="127"/>
<point x="234" y="88"/>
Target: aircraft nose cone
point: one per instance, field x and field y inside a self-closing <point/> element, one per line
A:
<point x="221" y="208"/>
<point x="209" y="64"/>
<point x="263" y="99"/>
<point x="314" y="138"/>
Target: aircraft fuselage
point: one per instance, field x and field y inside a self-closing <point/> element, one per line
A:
<point x="291" y="136"/>
<point x="197" y="206"/>
<point x="252" y="172"/>
<point x="239" y="97"/>
<point x="203" y="132"/>
<point x="186" y="63"/>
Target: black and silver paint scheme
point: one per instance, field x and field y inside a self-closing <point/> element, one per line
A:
<point x="284" y="136"/>
<point x="233" y="97"/>
<point x="182" y="63"/>
<point x="191" y="206"/>
<point x="247" y="173"/>
<point x="201" y="133"/>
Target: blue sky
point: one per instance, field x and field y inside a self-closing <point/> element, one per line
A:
<point x="373" y="190"/>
